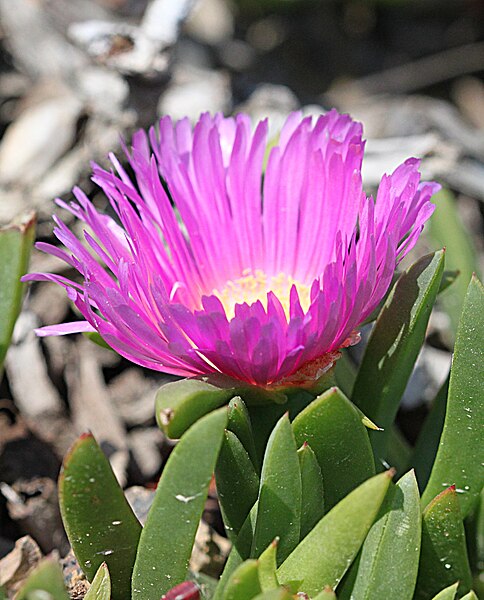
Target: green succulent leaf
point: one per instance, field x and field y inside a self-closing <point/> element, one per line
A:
<point x="443" y="557"/>
<point x="312" y="506"/>
<point x="425" y="449"/>
<point x="324" y="555"/>
<point x="447" y="230"/>
<point x="345" y="373"/>
<point x="101" y="585"/>
<point x="267" y="415"/>
<point x="96" y="338"/>
<point x="239" y="423"/>
<point x="237" y="483"/>
<point x="326" y="594"/>
<point x="460" y="457"/>
<point x="332" y="426"/>
<point x="394" y="345"/>
<point x="15" y="246"/>
<point x="46" y="578"/>
<point x="179" y="404"/>
<point x="97" y="517"/>
<point x="394" y="539"/>
<point x="279" y="594"/>
<point x="447" y="593"/>
<point x="279" y="501"/>
<point x="240" y="551"/>
<point x="268" y="566"/>
<point x="477" y="528"/>
<point x="470" y="596"/>
<point x="167" y="538"/>
<point x="244" y="583"/>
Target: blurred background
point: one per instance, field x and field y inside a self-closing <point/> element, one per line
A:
<point x="76" y="76"/>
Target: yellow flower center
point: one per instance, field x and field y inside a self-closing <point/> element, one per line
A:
<point x="254" y="285"/>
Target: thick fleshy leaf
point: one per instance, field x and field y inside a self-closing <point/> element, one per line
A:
<point x="279" y="501"/>
<point x="239" y="423"/>
<point x="324" y="555"/>
<point x="45" y="581"/>
<point x="443" y="557"/>
<point x="447" y="593"/>
<point x="237" y="483"/>
<point x="345" y="373"/>
<point x="167" y="538"/>
<point x="268" y="567"/>
<point x="425" y="449"/>
<point x="312" y="506"/>
<point x="394" y="539"/>
<point x="101" y="585"/>
<point x="448" y="278"/>
<point x="394" y="345"/>
<point x="97" y="517"/>
<point x="477" y="529"/>
<point x="244" y="583"/>
<point x="470" y="596"/>
<point x="240" y="551"/>
<point x="15" y="246"/>
<point x="266" y="416"/>
<point x="279" y="594"/>
<point x="181" y="403"/>
<point x="447" y="230"/>
<point x="460" y="457"/>
<point x="332" y="426"/>
<point x="326" y="594"/>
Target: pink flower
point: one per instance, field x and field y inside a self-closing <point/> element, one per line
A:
<point x="213" y="265"/>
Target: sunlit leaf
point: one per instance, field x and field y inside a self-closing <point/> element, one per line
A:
<point x="443" y="557"/>
<point x="312" y="489"/>
<point x="101" y="585"/>
<point x="460" y="457"/>
<point x="279" y="594"/>
<point x="97" y="517"/>
<point x="326" y="594"/>
<point x="45" y="581"/>
<point x="332" y="426"/>
<point x="167" y="538"/>
<point x="181" y="403"/>
<point x="268" y="566"/>
<point x="447" y="593"/>
<point x="324" y="555"/>
<point x="394" y="539"/>
<point x="279" y="501"/>
<point x="244" y="583"/>
<point x="15" y="246"/>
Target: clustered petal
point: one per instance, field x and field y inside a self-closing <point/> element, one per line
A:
<point x="224" y="257"/>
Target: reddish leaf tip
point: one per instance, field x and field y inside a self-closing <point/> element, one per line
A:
<point x="391" y="473"/>
<point x="187" y="590"/>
